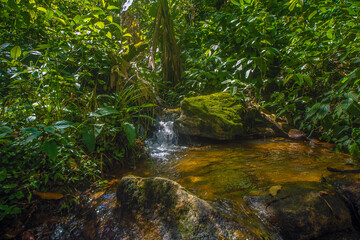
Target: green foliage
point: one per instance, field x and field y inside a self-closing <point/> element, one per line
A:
<point x="297" y="58"/>
<point x="73" y="94"/>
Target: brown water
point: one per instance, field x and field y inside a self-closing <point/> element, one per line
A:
<point x="223" y="173"/>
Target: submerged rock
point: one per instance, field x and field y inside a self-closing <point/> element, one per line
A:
<point x="304" y="210"/>
<point x="159" y="208"/>
<point x="221" y="116"/>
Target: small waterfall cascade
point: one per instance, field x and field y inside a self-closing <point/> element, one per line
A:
<point x="164" y="142"/>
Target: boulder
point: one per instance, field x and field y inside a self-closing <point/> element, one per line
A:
<point x="162" y="208"/>
<point x="304" y="210"/>
<point x="221" y="116"/>
<point x="217" y="116"/>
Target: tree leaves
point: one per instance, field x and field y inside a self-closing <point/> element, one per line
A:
<point x="88" y="138"/>
<point x="130" y="133"/>
<point x="15" y="52"/>
<point x="51" y="149"/>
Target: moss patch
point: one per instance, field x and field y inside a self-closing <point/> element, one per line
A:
<point x="220" y="107"/>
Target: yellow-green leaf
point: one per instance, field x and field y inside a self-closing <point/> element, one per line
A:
<point x="109" y="18"/>
<point x="108" y="35"/>
<point x="15" y="52"/>
<point x="41" y="9"/>
<point x="100" y="25"/>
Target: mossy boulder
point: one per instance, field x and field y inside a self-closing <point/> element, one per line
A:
<point x="158" y="208"/>
<point x="304" y="210"/>
<point x="221" y="116"/>
<point x="217" y="116"/>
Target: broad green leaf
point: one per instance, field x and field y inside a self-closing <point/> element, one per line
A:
<point x="105" y="111"/>
<point x="49" y="129"/>
<point x="51" y="149"/>
<point x="4" y="131"/>
<point x="108" y="35"/>
<point x="15" y="52"/>
<point x="88" y="138"/>
<point x="32" y="137"/>
<point x="130" y="133"/>
<point x="127" y="35"/>
<point x="329" y="34"/>
<point x="77" y="19"/>
<point x="110" y="18"/>
<point x="63" y="124"/>
<point x="100" y="25"/>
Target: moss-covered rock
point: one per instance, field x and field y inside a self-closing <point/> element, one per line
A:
<point x="161" y="207"/>
<point x="304" y="210"/>
<point x="221" y="116"/>
<point x="217" y="116"/>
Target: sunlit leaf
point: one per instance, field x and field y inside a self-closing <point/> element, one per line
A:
<point x="111" y="7"/>
<point x="41" y="9"/>
<point x="100" y="25"/>
<point x="15" y="52"/>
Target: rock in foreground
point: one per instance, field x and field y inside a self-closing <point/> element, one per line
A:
<point x="305" y="210"/>
<point x="161" y="209"/>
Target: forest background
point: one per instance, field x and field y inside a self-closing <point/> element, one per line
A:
<point x="81" y="81"/>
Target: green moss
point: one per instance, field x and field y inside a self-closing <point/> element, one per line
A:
<point x="219" y="111"/>
<point x="222" y="107"/>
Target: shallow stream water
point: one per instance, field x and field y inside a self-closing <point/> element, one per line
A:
<point x="223" y="173"/>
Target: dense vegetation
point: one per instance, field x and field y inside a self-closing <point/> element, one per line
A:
<point x="81" y="79"/>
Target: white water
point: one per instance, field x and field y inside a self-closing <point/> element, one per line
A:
<point x="164" y="143"/>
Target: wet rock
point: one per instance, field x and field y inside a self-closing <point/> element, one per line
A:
<point x="303" y="210"/>
<point x="349" y="186"/>
<point x="296" y="134"/>
<point x="221" y="116"/>
<point x="159" y="208"/>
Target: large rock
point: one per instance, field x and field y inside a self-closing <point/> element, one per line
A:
<point x="221" y="116"/>
<point x="216" y="116"/>
<point x="164" y="209"/>
<point x="304" y="210"/>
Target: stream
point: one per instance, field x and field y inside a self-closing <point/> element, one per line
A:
<point x="220" y="173"/>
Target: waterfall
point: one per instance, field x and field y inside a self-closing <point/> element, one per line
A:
<point x="164" y="142"/>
